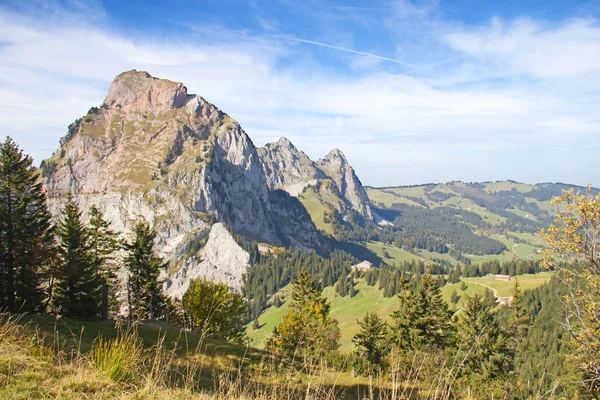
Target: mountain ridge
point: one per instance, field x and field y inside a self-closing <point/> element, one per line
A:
<point x="153" y="151"/>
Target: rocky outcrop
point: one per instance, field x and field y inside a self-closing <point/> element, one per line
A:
<point x="289" y="169"/>
<point x="336" y="166"/>
<point x="139" y="91"/>
<point x="153" y="151"/>
<point x="221" y="260"/>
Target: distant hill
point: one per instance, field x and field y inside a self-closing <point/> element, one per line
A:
<point x="465" y="222"/>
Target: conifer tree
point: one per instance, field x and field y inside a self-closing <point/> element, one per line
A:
<point x="519" y="316"/>
<point x="454" y="298"/>
<point x="518" y="324"/>
<point x="276" y="301"/>
<point x="26" y="240"/>
<point x="483" y="347"/>
<point x="77" y="285"/>
<point x="306" y="328"/>
<point x="405" y="332"/>
<point x="145" y="296"/>
<point x="371" y="340"/>
<point x="423" y="318"/>
<point x="342" y="285"/>
<point x="103" y="244"/>
<point x="351" y="291"/>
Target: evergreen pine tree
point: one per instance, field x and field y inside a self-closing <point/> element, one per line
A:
<point x="483" y="347"/>
<point x="103" y="244"/>
<point x="371" y="340"/>
<point x="342" y="285"/>
<point x="26" y="240"/>
<point x="405" y="332"/>
<point x="423" y="318"/>
<point x="518" y="323"/>
<point x="454" y="298"/>
<point x="145" y="296"/>
<point x="306" y="289"/>
<point x="77" y="282"/>
<point x="276" y="301"/>
<point x="351" y="290"/>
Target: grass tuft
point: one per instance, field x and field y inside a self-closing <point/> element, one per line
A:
<point x="122" y="358"/>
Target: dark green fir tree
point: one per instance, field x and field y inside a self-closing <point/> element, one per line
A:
<point x="26" y="239"/>
<point x="78" y="284"/>
<point x="145" y="297"/>
<point x="103" y="245"/>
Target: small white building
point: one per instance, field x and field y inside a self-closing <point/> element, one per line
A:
<point x="362" y="266"/>
<point x="503" y="277"/>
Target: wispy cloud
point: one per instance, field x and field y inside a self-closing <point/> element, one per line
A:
<point x="329" y="46"/>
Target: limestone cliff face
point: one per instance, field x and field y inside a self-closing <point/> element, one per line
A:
<point x="221" y="260"/>
<point x="289" y="169"/>
<point x="336" y="166"/>
<point x="153" y="151"/>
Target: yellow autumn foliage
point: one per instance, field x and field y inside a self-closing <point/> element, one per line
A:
<point x="575" y="237"/>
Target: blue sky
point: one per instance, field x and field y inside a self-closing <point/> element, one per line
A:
<point x="411" y="92"/>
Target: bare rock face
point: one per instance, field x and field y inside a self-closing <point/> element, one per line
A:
<point x="336" y="166"/>
<point x="221" y="260"/>
<point x="152" y="151"/>
<point x="289" y="169"/>
<point x="139" y="91"/>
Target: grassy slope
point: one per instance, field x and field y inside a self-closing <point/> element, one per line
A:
<point x="82" y="334"/>
<point x="347" y="310"/>
<point x="396" y="255"/>
<point x="471" y="289"/>
<point x="529" y="250"/>
<point x="316" y="209"/>
<point x="504" y="289"/>
<point x="507" y="186"/>
<point x="29" y="369"/>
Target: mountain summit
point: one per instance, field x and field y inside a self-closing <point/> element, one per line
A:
<point x="139" y="91"/>
<point x="331" y="178"/>
<point x="153" y="151"/>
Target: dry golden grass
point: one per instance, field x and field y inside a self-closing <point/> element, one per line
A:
<point x="37" y="363"/>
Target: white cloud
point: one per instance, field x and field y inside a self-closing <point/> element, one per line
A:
<point x="527" y="46"/>
<point x="442" y="125"/>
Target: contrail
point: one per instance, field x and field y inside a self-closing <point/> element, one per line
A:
<point x="346" y="50"/>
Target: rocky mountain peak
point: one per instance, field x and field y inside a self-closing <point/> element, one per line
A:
<point x="287" y="168"/>
<point x="139" y="91"/>
<point x="334" y="158"/>
<point x="285" y="142"/>
<point x="152" y="151"/>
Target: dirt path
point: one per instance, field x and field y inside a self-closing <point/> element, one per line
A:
<point x="489" y="287"/>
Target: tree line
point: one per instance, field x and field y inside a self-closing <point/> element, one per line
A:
<point x="514" y="350"/>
